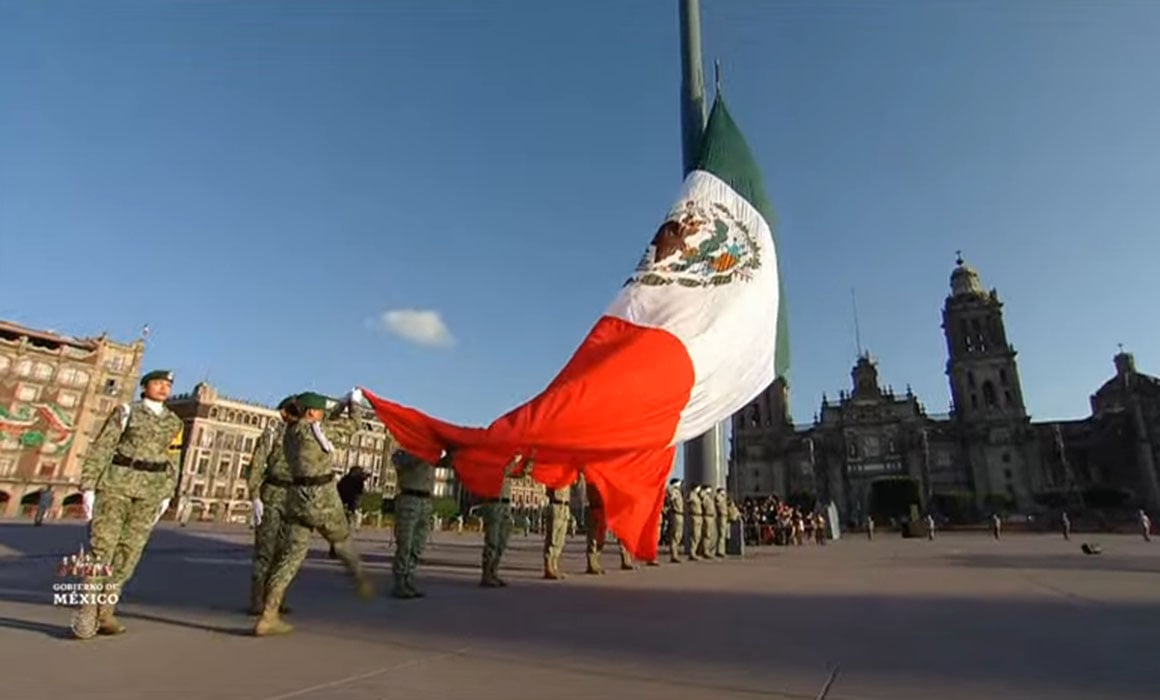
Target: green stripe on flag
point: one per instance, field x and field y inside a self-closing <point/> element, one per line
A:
<point x="725" y="154"/>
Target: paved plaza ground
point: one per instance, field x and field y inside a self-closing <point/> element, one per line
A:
<point x="961" y="617"/>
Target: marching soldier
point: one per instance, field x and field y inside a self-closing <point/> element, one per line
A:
<point x="722" y="504"/>
<point x="709" y="515"/>
<point x="696" y="522"/>
<point x="556" y="531"/>
<point x="996" y="526"/>
<point x="269" y="484"/>
<point x="126" y="484"/>
<point x="1145" y="526"/>
<point x="1066" y="523"/>
<point x="412" y="514"/>
<point x="497" y="522"/>
<point x="313" y="505"/>
<point x="870" y="527"/>
<point x="675" y="507"/>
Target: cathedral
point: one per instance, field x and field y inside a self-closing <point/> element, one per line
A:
<point x="873" y="452"/>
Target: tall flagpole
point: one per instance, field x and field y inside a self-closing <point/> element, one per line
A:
<point x="704" y="456"/>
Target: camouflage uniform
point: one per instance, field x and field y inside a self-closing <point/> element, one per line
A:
<point x="412" y="518"/>
<point x="709" y="509"/>
<point x="675" y="505"/>
<point x="270" y="482"/>
<point x="312" y="505"/>
<point x="696" y="522"/>
<point x="556" y="532"/>
<point x="595" y="530"/>
<point x="130" y="469"/>
<point x="497" y="525"/>
<point x="722" y="503"/>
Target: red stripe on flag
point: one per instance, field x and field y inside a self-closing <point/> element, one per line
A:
<point x="613" y="409"/>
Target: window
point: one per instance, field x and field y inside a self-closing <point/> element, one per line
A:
<point x="224" y="465"/>
<point x="203" y="464"/>
<point x="219" y="491"/>
<point x="1003" y="377"/>
<point x="47" y="470"/>
<point x="240" y="493"/>
<point x="66" y="399"/>
<point x="7" y="466"/>
<point x="24" y="368"/>
<point x="971" y="379"/>
<point x="248" y="445"/>
<point x="27" y="393"/>
<point x="989" y="396"/>
<point x="43" y="371"/>
<point x="1006" y="460"/>
<point x="111" y="387"/>
<point x="199" y="490"/>
<point x="213" y="412"/>
<point x="974" y="400"/>
<point x="1007" y="397"/>
<point x="1007" y="473"/>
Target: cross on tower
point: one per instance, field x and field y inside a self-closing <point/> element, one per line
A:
<point x="958" y="257"/>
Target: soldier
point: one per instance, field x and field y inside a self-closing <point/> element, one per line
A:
<point x="996" y="526"/>
<point x="556" y="531"/>
<point x="675" y="508"/>
<point x="350" y="491"/>
<point x="709" y="514"/>
<point x="929" y="526"/>
<point x="44" y="505"/>
<point x="696" y="522"/>
<point x="1145" y="526"/>
<point x="497" y="522"/>
<point x="313" y="505"/>
<point x="596" y="533"/>
<point x="412" y="513"/>
<point x="722" y="504"/>
<point x="269" y="484"/>
<point x="126" y="484"/>
<point x="870" y="527"/>
<point x="1066" y="523"/>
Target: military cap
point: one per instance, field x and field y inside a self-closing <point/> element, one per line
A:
<point x="310" y="399"/>
<point x="674" y="481"/>
<point x="287" y="403"/>
<point x="157" y="374"/>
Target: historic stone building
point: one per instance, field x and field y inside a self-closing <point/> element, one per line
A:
<point x="986" y="454"/>
<point x="55" y="393"/>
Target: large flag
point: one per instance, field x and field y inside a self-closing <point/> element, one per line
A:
<point x="691" y="338"/>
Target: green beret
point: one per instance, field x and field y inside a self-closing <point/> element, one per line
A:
<point x="156" y="374"/>
<point x="287" y="403"/>
<point x="310" y="399"/>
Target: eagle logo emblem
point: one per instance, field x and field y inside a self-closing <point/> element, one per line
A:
<point x="699" y="245"/>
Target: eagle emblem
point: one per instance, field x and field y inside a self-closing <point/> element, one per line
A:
<point x="699" y="245"/>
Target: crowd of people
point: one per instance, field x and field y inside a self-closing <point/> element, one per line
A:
<point x="771" y="521"/>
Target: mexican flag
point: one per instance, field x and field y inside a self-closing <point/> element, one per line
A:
<point x="695" y="333"/>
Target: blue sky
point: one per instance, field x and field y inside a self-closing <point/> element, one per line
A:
<point x="262" y="182"/>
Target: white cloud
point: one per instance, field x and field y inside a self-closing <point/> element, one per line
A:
<point x="419" y="326"/>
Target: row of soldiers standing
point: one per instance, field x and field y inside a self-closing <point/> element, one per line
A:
<point x="709" y="512"/>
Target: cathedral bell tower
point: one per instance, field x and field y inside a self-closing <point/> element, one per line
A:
<point x="990" y="415"/>
<point x="981" y="368"/>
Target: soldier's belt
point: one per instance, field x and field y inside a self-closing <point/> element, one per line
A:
<point x="498" y="500"/>
<point x="273" y="481"/>
<point x="313" y="480"/>
<point x="416" y="493"/>
<point x="139" y="464"/>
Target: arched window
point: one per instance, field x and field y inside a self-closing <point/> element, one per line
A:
<point x="989" y="396"/>
<point x="971" y="379"/>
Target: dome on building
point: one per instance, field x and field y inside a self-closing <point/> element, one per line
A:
<point x="965" y="280"/>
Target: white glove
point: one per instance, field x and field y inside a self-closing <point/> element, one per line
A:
<point x="88" y="498"/>
<point x="161" y="510"/>
<point x="356" y="396"/>
<point x="257" y="504"/>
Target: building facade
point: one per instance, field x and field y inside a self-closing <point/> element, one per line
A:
<point x="872" y="449"/>
<point x="56" y="392"/>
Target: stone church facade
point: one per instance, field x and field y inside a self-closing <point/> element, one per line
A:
<point x="986" y="454"/>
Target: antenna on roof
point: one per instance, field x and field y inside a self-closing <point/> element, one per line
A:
<point x="857" y="329"/>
